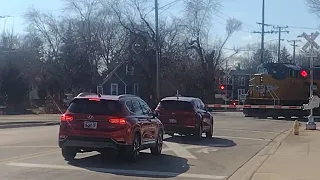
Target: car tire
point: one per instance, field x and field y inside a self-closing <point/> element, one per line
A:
<point x="69" y="153"/>
<point x="210" y="133"/>
<point x="157" y="149"/>
<point x="198" y="133"/>
<point x="134" y="151"/>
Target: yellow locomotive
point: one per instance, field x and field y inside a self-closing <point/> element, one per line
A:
<point x="277" y="85"/>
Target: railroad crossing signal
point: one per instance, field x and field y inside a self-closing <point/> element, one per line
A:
<point x="310" y="40"/>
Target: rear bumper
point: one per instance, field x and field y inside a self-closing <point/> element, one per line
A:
<point x="90" y="143"/>
<point x="179" y="129"/>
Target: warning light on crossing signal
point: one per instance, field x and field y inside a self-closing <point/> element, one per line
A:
<point x="304" y="73"/>
<point x="222" y="87"/>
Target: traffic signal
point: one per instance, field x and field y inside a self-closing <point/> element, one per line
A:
<point x="261" y="78"/>
<point x="222" y="87"/>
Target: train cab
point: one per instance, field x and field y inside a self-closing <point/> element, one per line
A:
<point x="281" y="71"/>
<point x="278" y="83"/>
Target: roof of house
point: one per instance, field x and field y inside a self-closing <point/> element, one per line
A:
<point x="240" y="72"/>
<point x="106" y="79"/>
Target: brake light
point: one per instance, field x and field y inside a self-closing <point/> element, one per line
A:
<point x="94" y="99"/>
<point x="116" y="120"/>
<point x="66" y="118"/>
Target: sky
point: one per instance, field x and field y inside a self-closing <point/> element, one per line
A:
<point x="293" y="13"/>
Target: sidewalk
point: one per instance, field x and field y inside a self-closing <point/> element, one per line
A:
<point x="297" y="158"/>
<point x="14" y="121"/>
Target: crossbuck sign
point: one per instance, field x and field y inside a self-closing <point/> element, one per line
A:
<point x="310" y="41"/>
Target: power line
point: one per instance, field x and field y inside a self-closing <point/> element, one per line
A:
<point x="221" y="12"/>
<point x="294" y="48"/>
<point x="279" y="39"/>
<point x="300" y="27"/>
<point x="169" y="5"/>
<point x="166" y="6"/>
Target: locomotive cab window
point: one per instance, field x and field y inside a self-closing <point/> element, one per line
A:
<point x="262" y="70"/>
<point x="293" y="73"/>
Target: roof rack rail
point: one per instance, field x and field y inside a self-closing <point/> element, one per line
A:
<point x="86" y="94"/>
<point x="126" y="95"/>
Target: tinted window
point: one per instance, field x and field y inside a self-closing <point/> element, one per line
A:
<point x="202" y="106"/>
<point x="134" y="107"/>
<point x="130" y="106"/>
<point x="102" y="107"/>
<point x="145" y="108"/>
<point x="196" y="104"/>
<point x="176" y="105"/>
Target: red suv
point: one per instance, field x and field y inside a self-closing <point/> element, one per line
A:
<point x="185" y="115"/>
<point x="101" y="123"/>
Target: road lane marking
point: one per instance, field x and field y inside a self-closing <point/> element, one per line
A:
<point x="180" y="150"/>
<point x="245" y="138"/>
<point x="28" y="156"/>
<point x="120" y="171"/>
<point x="207" y="150"/>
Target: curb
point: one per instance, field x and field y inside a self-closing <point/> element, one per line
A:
<point x="20" y="125"/>
<point x="248" y="169"/>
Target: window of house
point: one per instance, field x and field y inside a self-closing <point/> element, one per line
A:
<point x="129" y="69"/>
<point x="241" y="81"/>
<point x="114" y="89"/>
<point x="100" y="89"/>
<point x="136" y="89"/>
<point x="221" y="80"/>
<point x="241" y="92"/>
<point x="229" y="79"/>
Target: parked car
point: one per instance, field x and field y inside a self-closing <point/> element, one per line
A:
<point x="101" y="123"/>
<point x="185" y="116"/>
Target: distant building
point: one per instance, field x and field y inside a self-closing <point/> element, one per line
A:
<point x="121" y="80"/>
<point x="236" y="84"/>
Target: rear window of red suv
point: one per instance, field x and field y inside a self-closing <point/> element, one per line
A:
<point x="176" y="105"/>
<point x="94" y="107"/>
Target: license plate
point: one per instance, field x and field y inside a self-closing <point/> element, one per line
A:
<point x="90" y="125"/>
<point x="172" y="121"/>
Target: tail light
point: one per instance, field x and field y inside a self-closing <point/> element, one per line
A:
<point x="66" y="118"/>
<point x="117" y="120"/>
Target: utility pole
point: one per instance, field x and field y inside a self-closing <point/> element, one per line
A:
<point x="294" y="49"/>
<point x="262" y="34"/>
<point x="279" y="40"/>
<point x="157" y="48"/>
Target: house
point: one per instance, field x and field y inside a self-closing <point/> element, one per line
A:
<point x="236" y="85"/>
<point x="121" y="80"/>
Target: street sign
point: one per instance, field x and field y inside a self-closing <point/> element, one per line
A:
<point x="310" y="40"/>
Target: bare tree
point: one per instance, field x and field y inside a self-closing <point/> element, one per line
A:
<point x="48" y="27"/>
<point x="314" y="6"/>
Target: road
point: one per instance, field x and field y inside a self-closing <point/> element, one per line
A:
<point x="32" y="153"/>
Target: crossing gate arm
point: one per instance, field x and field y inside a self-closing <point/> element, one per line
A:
<point x="252" y="106"/>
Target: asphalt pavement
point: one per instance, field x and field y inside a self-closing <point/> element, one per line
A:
<point x="33" y="153"/>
